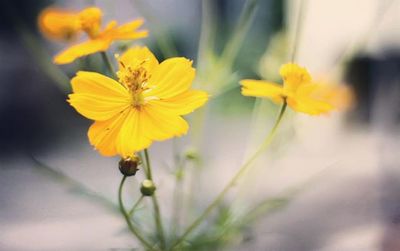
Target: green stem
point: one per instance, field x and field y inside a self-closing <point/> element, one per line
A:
<point x="157" y="213"/>
<point x="135" y="206"/>
<point x="232" y="48"/>
<point x="177" y="196"/>
<point x="232" y="182"/>
<point x="127" y="218"/>
<point x="298" y="29"/>
<point x="108" y="64"/>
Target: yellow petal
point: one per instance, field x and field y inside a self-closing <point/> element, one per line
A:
<point x="161" y="124"/>
<point x="126" y="31"/>
<point x="96" y="83"/>
<point x="340" y="96"/>
<point x="59" y="24"/>
<point x="98" y="97"/>
<point x="90" y="19"/>
<point x="305" y="100"/>
<point x="138" y="56"/>
<point x="171" y="78"/>
<point x="103" y="134"/>
<point x="309" y="106"/>
<point x="132" y="136"/>
<point x="83" y="49"/>
<point x="293" y="76"/>
<point x="183" y="103"/>
<point x="260" y="88"/>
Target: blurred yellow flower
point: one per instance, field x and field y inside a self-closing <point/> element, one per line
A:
<point x="59" y="24"/>
<point x="66" y="25"/>
<point x="300" y="92"/>
<point x="145" y="105"/>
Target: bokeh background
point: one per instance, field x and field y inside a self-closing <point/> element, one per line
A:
<point x="57" y="193"/>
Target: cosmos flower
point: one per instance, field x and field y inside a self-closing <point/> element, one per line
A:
<point x="66" y="25"/>
<point x="146" y="104"/>
<point x="299" y="91"/>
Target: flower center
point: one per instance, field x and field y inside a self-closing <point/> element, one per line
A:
<point x="135" y="79"/>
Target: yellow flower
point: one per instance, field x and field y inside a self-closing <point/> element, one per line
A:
<point x="66" y="25"/>
<point x="146" y="104"/>
<point x="59" y="24"/>
<point x="300" y="92"/>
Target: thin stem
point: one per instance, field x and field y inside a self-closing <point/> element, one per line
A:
<point x="148" y="165"/>
<point x="298" y="29"/>
<point x="232" y="182"/>
<point x="157" y="213"/>
<point x="134" y="231"/>
<point x="108" y="64"/>
<point x="232" y="48"/>
<point x="135" y="206"/>
<point x="207" y="34"/>
<point x="177" y="196"/>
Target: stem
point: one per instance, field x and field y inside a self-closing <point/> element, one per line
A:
<point x="232" y="48"/>
<point x="108" y="64"/>
<point x="127" y="219"/>
<point x="148" y="165"/>
<point x="232" y="182"/>
<point x="207" y="34"/>
<point x="157" y="214"/>
<point x="299" y="26"/>
<point x="135" y="206"/>
<point x="177" y="197"/>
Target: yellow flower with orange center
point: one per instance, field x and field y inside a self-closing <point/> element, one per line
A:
<point x="146" y="104"/>
<point x="64" y="25"/>
<point x="299" y="91"/>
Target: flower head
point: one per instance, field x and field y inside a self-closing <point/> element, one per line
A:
<point x="146" y="104"/>
<point x="59" y="24"/>
<point x="299" y="91"/>
<point x="65" y="25"/>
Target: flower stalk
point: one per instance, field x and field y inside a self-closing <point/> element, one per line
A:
<point x="107" y="62"/>
<point x="131" y="227"/>
<point x="232" y="182"/>
<point x="157" y="213"/>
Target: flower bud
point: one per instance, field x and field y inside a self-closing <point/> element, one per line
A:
<point x="147" y="188"/>
<point x="192" y="154"/>
<point x="129" y="166"/>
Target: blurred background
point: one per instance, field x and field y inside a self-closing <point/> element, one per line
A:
<point x="338" y="175"/>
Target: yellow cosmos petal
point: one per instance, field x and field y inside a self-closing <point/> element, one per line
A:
<point x="183" y="103"/>
<point x="83" y="49"/>
<point x="97" y="107"/>
<point x="58" y="24"/>
<point x="171" y="78"/>
<point x="340" y="96"/>
<point x="132" y="136"/>
<point x="126" y="31"/>
<point x="260" y="88"/>
<point x="98" y="97"/>
<point x="96" y="83"/>
<point x="305" y="100"/>
<point x="103" y="134"/>
<point x="138" y="56"/>
<point x="309" y="106"/>
<point x="90" y="19"/>
<point x="161" y="124"/>
<point x="293" y="76"/>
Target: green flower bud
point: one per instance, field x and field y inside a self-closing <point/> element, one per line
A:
<point x="129" y="166"/>
<point x="192" y="154"/>
<point x="147" y="188"/>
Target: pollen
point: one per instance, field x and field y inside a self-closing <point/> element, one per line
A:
<point x="135" y="80"/>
